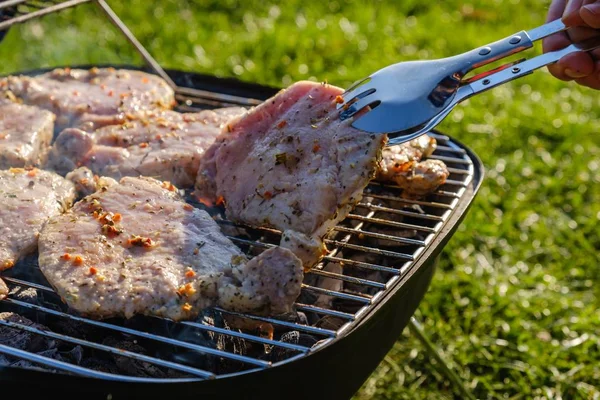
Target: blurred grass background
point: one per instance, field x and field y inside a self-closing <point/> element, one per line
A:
<point x="515" y="303"/>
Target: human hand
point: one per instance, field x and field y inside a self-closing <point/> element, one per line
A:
<point x="583" y="19"/>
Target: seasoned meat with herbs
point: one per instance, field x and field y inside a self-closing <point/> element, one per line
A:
<point x="25" y="135"/>
<point x="137" y="248"/>
<point x="3" y="289"/>
<point x="165" y="145"/>
<point x="400" y="157"/>
<point x="94" y="98"/>
<point x="422" y="178"/>
<point x="28" y="198"/>
<point x="292" y="165"/>
<point x="402" y="165"/>
<point x="86" y="182"/>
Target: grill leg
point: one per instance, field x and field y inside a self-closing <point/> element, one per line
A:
<point x="416" y="328"/>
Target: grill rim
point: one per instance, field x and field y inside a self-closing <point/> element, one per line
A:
<point x="430" y="250"/>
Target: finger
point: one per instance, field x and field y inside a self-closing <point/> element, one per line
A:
<point x="573" y="66"/>
<point x="591" y="15"/>
<point x="593" y="80"/>
<point x="556" y="10"/>
<point x="581" y="33"/>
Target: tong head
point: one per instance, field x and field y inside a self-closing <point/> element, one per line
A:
<point x="407" y="99"/>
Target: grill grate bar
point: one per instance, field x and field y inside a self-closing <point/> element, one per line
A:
<point x="145" y="335"/>
<point x="298" y="327"/>
<point x="410" y="201"/>
<point x="246" y="336"/>
<point x="453" y="160"/>
<point x="347" y="278"/>
<point x="458" y="171"/>
<point x="250" y="242"/>
<point x="455" y="183"/>
<point x="383" y="236"/>
<point x="112" y="350"/>
<point x="439" y="137"/>
<point x="395" y="224"/>
<point x="371" y="250"/>
<point x="75" y="369"/>
<point x="197" y="95"/>
<point x="449" y="149"/>
<point x="412" y="214"/>
<point x="346" y="296"/>
<point x="326" y="311"/>
<point x="362" y="264"/>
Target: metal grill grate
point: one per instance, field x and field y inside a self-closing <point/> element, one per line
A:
<point x="378" y="242"/>
<point x="369" y="254"/>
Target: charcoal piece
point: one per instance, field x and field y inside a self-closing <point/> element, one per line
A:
<point x="101" y="365"/>
<point x="73" y="356"/>
<point x="130" y="366"/>
<point x="24" y="294"/>
<point x="292" y="337"/>
<point x="331" y="323"/>
<point x="21" y="339"/>
<point x="4" y="361"/>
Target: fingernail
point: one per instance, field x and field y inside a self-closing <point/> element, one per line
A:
<point x="593" y="8"/>
<point x="573" y="74"/>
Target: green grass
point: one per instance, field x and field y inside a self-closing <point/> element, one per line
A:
<point x="515" y="303"/>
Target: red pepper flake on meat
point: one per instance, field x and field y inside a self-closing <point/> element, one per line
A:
<point x="7" y="264"/>
<point x="143" y="145"/>
<point x="75" y="93"/>
<point x="187" y="307"/>
<point x="186" y="290"/>
<point x="116" y="217"/>
<point x="339" y="99"/>
<point x="93" y="271"/>
<point x="103" y="86"/>
<point x="316" y="148"/>
<point x="66" y="256"/>
<point x="190" y="274"/>
<point x="78" y="260"/>
<point x="145" y="80"/>
<point x="158" y="137"/>
<point x="188" y="207"/>
<point x="268" y="195"/>
<point x="111" y="93"/>
<point x="32" y="173"/>
<point x="220" y="201"/>
<point x="140" y="241"/>
<point x="282" y="124"/>
<point x="169" y="186"/>
<point x="124" y="95"/>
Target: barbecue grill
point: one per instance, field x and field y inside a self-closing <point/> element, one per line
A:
<point x="353" y="305"/>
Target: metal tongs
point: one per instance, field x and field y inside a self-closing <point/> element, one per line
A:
<point x="408" y="99"/>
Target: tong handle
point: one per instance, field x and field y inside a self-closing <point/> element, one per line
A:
<point x="526" y="67"/>
<point x="504" y="47"/>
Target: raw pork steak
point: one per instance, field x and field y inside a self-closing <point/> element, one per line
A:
<point x="292" y="165"/>
<point x="28" y="198"/>
<point x="98" y="97"/>
<point x="135" y="247"/>
<point x="166" y="145"/>
<point x="25" y="135"/>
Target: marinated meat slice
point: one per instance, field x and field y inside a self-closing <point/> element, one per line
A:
<point x="96" y="97"/>
<point x="25" y="135"/>
<point x="422" y="178"/>
<point x="137" y="248"/>
<point x="292" y="165"/>
<point x="164" y="145"/>
<point x="3" y="289"/>
<point x="28" y="198"/>
<point x="86" y="182"/>
<point x="402" y="165"/>
<point x="396" y="158"/>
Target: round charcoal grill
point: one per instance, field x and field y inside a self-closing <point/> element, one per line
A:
<point x="353" y="305"/>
